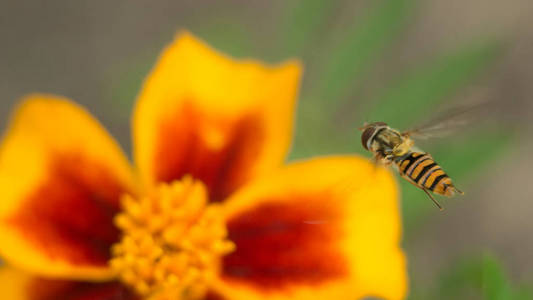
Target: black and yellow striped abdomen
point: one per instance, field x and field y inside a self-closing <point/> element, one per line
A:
<point x="421" y="170"/>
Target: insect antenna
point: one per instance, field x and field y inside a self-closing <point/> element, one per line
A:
<point x="433" y="199"/>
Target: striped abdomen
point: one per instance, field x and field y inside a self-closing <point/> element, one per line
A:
<point x="424" y="172"/>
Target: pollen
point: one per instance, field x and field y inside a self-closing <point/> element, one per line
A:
<point x="172" y="241"/>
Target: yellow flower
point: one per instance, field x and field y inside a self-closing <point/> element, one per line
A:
<point x="208" y="212"/>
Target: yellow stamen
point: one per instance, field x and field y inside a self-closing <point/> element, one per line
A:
<point x="172" y="241"/>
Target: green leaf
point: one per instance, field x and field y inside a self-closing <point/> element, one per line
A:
<point x="482" y="276"/>
<point x="494" y="283"/>
<point x="474" y="277"/>
<point x="412" y="97"/>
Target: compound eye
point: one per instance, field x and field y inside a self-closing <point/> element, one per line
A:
<point x="366" y="135"/>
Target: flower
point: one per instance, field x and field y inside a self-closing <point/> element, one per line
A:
<point x="208" y="212"/>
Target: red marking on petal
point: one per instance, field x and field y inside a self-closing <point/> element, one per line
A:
<point x="70" y="215"/>
<point x="44" y="289"/>
<point x="181" y="149"/>
<point x="283" y="244"/>
<point x="213" y="296"/>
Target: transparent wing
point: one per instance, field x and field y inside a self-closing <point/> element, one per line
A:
<point x="435" y="130"/>
<point x="450" y="120"/>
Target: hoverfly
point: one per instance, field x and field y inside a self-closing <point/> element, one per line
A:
<point x="390" y="146"/>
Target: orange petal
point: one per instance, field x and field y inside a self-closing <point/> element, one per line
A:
<point x="61" y="176"/>
<point x="221" y="120"/>
<point x="327" y="228"/>
<point x="18" y="285"/>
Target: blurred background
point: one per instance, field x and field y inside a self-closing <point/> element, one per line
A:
<point x="398" y="61"/>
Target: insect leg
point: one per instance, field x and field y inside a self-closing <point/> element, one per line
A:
<point x="380" y="159"/>
<point x="376" y="160"/>
<point x="425" y="190"/>
<point x="433" y="199"/>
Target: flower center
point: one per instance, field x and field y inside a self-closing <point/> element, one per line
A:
<point x="172" y="241"/>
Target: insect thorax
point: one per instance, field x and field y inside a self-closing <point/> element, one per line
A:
<point x="388" y="142"/>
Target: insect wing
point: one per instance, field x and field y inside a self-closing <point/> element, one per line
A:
<point x="449" y="121"/>
<point x="436" y="130"/>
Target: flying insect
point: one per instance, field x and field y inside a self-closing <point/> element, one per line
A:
<point x="392" y="147"/>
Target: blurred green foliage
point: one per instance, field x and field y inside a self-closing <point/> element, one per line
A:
<point x="302" y="23"/>
<point x="352" y="51"/>
<point x="337" y="66"/>
<point x="339" y="55"/>
<point x="420" y="91"/>
<point x="475" y="277"/>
